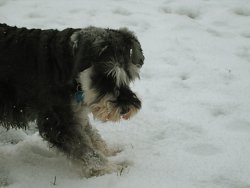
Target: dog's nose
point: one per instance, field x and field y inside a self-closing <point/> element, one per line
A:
<point x="124" y="110"/>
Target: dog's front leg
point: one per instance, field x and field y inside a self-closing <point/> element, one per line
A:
<point x="61" y="129"/>
<point x="99" y="144"/>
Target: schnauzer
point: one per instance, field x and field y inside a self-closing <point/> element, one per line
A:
<point x="57" y="77"/>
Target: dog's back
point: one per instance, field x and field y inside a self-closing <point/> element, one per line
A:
<point x="18" y="53"/>
<point x="31" y="61"/>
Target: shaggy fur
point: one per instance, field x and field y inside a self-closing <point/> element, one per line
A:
<point x="42" y="70"/>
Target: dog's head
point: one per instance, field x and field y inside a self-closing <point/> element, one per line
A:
<point x="108" y="61"/>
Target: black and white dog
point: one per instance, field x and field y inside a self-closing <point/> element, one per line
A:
<point x="57" y="77"/>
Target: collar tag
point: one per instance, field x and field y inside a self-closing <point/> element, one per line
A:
<point x="79" y="96"/>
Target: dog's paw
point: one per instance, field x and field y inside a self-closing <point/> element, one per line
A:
<point x="108" y="168"/>
<point x="98" y="165"/>
<point x="107" y="150"/>
<point x="112" y="151"/>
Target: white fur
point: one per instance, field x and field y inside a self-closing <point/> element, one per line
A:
<point x="85" y="78"/>
<point x="90" y="94"/>
<point x="119" y="74"/>
<point x="74" y="40"/>
<point x="134" y="71"/>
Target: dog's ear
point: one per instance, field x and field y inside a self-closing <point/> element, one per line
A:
<point x="86" y="54"/>
<point x="99" y="46"/>
<point x="136" y="53"/>
<point x="81" y="51"/>
<point x="82" y="61"/>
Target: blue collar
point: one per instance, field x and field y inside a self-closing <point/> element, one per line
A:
<point x="79" y="94"/>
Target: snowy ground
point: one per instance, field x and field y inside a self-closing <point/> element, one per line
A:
<point x="194" y="128"/>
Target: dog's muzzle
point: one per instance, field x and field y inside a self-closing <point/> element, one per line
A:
<point x="110" y="109"/>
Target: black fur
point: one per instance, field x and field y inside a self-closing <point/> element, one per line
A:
<point x="115" y="44"/>
<point x="38" y="73"/>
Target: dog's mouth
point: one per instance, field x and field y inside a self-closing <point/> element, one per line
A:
<point x="115" y="111"/>
<point x="106" y="114"/>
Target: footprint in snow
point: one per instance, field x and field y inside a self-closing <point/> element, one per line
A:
<point x="190" y="12"/>
<point x="245" y="35"/>
<point x="121" y="11"/>
<point x="34" y="15"/>
<point x="216" y="112"/>
<point x="221" y="110"/>
<point x="242" y="11"/>
<point x="214" y="32"/>
<point x="184" y="76"/>
<point x="244" y="53"/>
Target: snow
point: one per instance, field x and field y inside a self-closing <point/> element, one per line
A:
<point x="194" y="127"/>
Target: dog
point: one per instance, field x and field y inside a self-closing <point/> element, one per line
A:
<point x="57" y="77"/>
